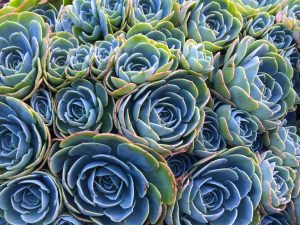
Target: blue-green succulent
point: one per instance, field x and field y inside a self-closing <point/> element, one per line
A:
<point x="84" y="105"/>
<point x="23" y="52"/>
<point x="24" y="139"/>
<point x="33" y="199"/>
<point x="225" y="189"/>
<point x="115" y="182"/>
<point x="165" y="115"/>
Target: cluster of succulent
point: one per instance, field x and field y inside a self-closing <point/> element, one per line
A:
<point x="163" y="112"/>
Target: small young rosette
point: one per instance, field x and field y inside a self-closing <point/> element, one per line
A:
<point x="255" y="27"/>
<point x="210" y="139"/>
<point x="256" y="79"/>
<point x="277" y="182"/>
<point x="60" y="45"/>
<point x="213" y="23"/>
<point x="280" y="36"/>
<point x="222" y="190"/>
<point x="23" y="48"/>
<point x="285" y="143"/>
<point x="253" y="7"/>
<point x="103" y="56"/>
<point x="79" y="62"/>
<point x="181" y="163"/>
<point x="114" y="182"/>
<point x="196" y="59"/>
<point x="24" y="138"/>
<point x="67" y="219"/>
<point x="48" y="12"/>
<point x="138" y="60"/>
<point x="42" y="103"/>
<point x="164" y="32"/>
<point x="165" y="115"/>
<point x="150" y="11"/>
<point x="89" y="22"/>
<point x="64" y="21"/>
<point x="117" y="12"/>
<point x="33" y="199"/>
<point x="84" y="105"/>
<point x="237" y="126"/>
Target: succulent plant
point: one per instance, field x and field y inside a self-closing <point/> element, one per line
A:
<point x="210" y="139"/>
<point x="103" y="54"/>
<point x="150" y="11"/>
<point x="195" y="58"/>
<point x="293" y="55"/>
<point x="285" y="143"/>
<point x="42" y="103"/>
<point x="165" y="115"/>
<point x="23" y="38"/>
<point x="55" y="71"/>
<point x="48" y="12"/>
<point x="181" y="163"/>
<point x="137" y="61"/>
<point x="277" y="182"/>
<point x="252" y="7"/>
<point x="256" y="79"/>
<point x="84" y="105"/>
<point x="67" y="219"/>
<point x="280" y="36"/>
<point x="24" y="138"/>
<point x="117" y="12"/>
<point x="257" y="25"/>
<point x="79" y="62"/>
<point x="87" y="20"/>
<point x="64" y="21"/>
<point x="115" y="182"/>
<point x="222" y="190"/>
<point x="236" y="126"/>
<point x="32" y="199"/>
<point x="280" y="218"/>
<point x="213" y="23"/>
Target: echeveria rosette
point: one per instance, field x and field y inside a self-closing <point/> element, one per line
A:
<point x="164" y="32"/>
<point x="165" y="115"/>
<point x="212" y="23"/>
<point x="285" y="143"/>
<point x="225" y="189"/>
<point x="256" y="79"/>
<point x="115" y="182"/>
<point x="79" y="62"/>
<point x="42" y="103"/>
<point x="253" y="7"/>
<point x="280" y="36"/>
<point x="103" y="55"/>
<point x="293" y="55"/>
<point x="88" y="20"/>
<point x="48" y="12"/>
<point x="255" y="27"/>
<point x="137" y="61"/>
<point x="24" y="139"/>
<point x="238" y="127"/>
<point x="209" y="139"/>
<point x="150" y="11"/>
<point x="180" y="164"/>
<point x="55" y="71"/>
<point x="196" y="59"/>
<point x="23" y="44"/>
<point x="64" y="21"/>
<point x="290" y="15"/>
<point x="84" y="105"/>
<point x="67" y="219"/>
<point x="280" y="218"/>
<point x="33" y="199"/>
<point x="277" y="182"/>
<point x="117" y="12"/>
